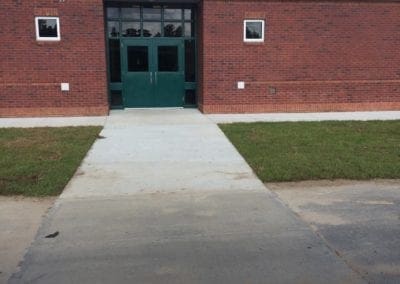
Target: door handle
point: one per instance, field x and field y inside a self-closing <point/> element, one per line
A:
<point x="155" y="75"/>
<point x="151" y="77"/>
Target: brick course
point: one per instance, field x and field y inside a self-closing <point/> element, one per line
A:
<point x="31" y="71"/>
<point x="317" y="56"/>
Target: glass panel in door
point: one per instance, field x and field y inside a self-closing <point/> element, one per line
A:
<point x="168" y="59"/>
<point x="138" y="59"/>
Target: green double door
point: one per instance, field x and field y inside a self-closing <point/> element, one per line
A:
<point x="153" y="72"/>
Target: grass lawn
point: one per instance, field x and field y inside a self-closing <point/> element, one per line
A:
<point x="296" y="151"/>
<point x="41" y="161"/>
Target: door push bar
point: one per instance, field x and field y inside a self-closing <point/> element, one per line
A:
<point x="151" y="77"/>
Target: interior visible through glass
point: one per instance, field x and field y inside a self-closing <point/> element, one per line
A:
<point x="253" y="30"/>
<point x="151" y="29"/>
<point x="138" y="59"/>
<point x="168" y="59"/>
<point x="48" y="28"/>
<point x="150" y="21"/>
<point x="190" y="61"/>
<point x="114" y="60"/>
<point x="131" y="29"/>
<point x="173" y="29"/>
<point x="116" y="98"/>
<point x="113" y="29"/>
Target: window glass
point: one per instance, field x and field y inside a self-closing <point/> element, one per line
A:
<point x="168" y="59"/>
<point x="172" y="14"/>
<point x="131" y="29"/>
<point x="151" y="29"/>
<point x="190" y="63"/>
<point x="47" y="28"/>
<point x="188" y="14"/>
<point x="112" y="12"/>
<point x="130" y="13"/>
<point x="254" y="30"/>
<point x="152" y="14"/>
<point x="113" y="28"/>
<point x="189" y="30"/>
<point x="190" y="97"/>
<point x="138" y="59"/>
<point x="173" y="29"/>
<point x="114" y="60"/>
<point x="116" y="98"/>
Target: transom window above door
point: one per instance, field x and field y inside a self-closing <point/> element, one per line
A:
<point x="150" y="21"/>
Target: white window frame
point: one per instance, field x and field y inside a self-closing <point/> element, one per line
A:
<point x="39" y="38"/>
<point x="245" y="39"/>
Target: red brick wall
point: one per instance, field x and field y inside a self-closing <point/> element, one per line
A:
<point x="318" y="56"/>
<point x="31" y="71"/>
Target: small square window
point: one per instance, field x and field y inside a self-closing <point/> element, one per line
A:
<point x="253" y="31"/>
<point x="47" y="28"/>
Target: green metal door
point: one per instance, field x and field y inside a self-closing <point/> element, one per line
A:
<point x="169" y="74"/>
<point x="137" y="73"/>
<point x="153" y="72"/>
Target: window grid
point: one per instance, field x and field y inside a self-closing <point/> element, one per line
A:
<point x="183" y="21"/>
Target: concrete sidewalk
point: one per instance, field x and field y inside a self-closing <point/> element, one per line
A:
<point x="312" y="116"/>
<point x="360" y="221"/>
<point x="165" y="198"/>
<point x="30" y="122"/>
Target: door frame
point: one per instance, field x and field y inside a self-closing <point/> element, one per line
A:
<point x="115" y="20"/>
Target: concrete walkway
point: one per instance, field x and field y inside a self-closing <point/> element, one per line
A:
<point x="165" y="198"/>
<point x="30" y="122"/>
<point x="359" y="220"/>
<point x="20" y="218"/>
<point x="314" y="116"/>
<point x="217" y="118"/>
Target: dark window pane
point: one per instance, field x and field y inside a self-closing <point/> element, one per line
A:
<point x="112" y="12"/>
<point x="138" y="59"/>
<point x="116" y="98"/>
<point x="113" y="29"/>
<point x="190" y="61"/>
<point x="130" y="13"/>
<point x="173" y="29"/>
<point x="254" y="30"/>
<point x="114" y="60"/>
<point x="131" y="29"/>
<point x="168" y="59"/>
<point x="151" y="29"/>
<point x="188" y="14"/>
<point x="190" y="97"/>
<point x="48" y="28"/>
<point x="152" y="13"/>
<point x="172" y="14"/>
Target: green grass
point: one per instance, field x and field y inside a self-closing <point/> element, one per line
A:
<point x="319" y="150"/>
<point x="41" y="161"/>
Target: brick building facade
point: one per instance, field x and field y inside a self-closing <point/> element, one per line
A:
<point x="314" y="56"/>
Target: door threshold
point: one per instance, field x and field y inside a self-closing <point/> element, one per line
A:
<point x="152" y="108"/>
